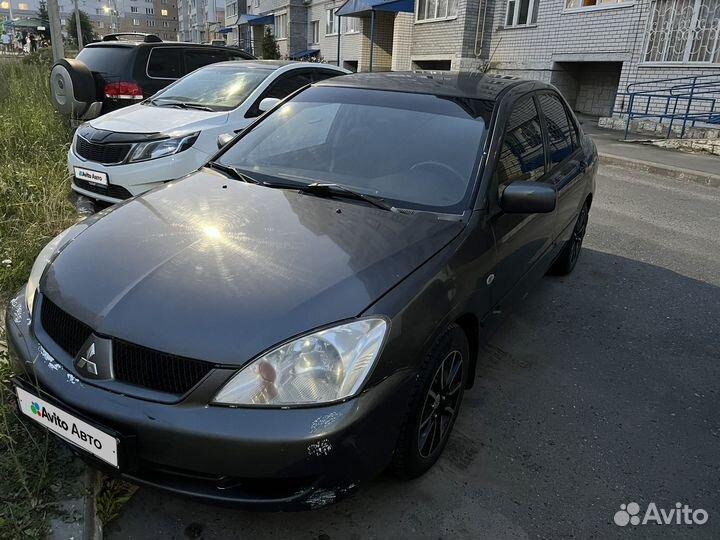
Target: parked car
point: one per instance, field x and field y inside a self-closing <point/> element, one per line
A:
<point x="123" y="69"/>
<point x="307" y="310"/>
<point x="127" y="152"/>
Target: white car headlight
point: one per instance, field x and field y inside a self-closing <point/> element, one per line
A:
<point x="325" y="366"/>
<point x="43" y="259"/>
<point x="164" y="147"/>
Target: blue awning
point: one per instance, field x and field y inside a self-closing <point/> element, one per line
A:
<point x="305" y="54"/>
<point x="256" y="20"/>
<point x="224" y="31"/>
<point x="358" y="7"/>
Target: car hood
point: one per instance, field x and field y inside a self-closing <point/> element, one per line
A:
<point x="221" y="270"/>
<point x="148" y="119"/>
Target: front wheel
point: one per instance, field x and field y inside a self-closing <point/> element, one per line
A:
<point x="435" y="404"/>
<point x="567" y="260"/>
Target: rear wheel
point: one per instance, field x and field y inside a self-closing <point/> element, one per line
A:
<point x="72" y="87"/>
<point x="434" y="405"/>
<point x="567" y="260"/>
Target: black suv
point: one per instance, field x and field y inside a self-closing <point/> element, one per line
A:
<point x="125" y="68"/>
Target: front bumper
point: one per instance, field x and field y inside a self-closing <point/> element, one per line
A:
<point x="273" y="459"/>
<point x="136" y="178"/>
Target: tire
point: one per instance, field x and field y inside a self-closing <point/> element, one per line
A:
<point x="72" y="87"/>
<point x="429" y="422"/>
<point x="570" y="254"/>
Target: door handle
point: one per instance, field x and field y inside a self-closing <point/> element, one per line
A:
<point x="583" y="166"/>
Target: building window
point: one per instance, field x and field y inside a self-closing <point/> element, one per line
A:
<point x="350" y="24"/>
<point x="428" y="10"/>
<point x="281" y="26"/>
<point x="4" y="5"/>
<point x="150" y="23"/>
<point x="101" y="25"/>
<point x="574" y="4"/>
<point x="136" y="22"/>
<point x="521" y="12"/>
<point x="166" y="24"/>
<point x="315" y="32"/>
<point x="23" y="7"/>
<point x="330" y="21"/>
<point x="133" y="9"/>
<point x="684" y="31"/>
<point x="149" y="10"/>
<point x="164" y="12"/>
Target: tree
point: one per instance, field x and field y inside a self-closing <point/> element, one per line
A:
<point x="270" y="49"/>
<point x="42" y="14"/>
<point x="88" y="34"/>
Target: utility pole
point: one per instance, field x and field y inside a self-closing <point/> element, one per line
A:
<point x="78" y="26"/>
<point x="55" y="30"/>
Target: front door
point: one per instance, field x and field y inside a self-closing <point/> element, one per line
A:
<point x="522" y="240"/>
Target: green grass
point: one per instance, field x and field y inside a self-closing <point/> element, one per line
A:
<point x="35" y="205"/>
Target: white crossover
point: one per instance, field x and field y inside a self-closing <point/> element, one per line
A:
<point x="175" y="132"/>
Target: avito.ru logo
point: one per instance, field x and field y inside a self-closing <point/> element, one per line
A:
<point x="629" y="514"/>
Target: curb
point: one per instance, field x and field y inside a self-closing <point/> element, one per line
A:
<point x="706" y="179"/>
<point x="93" y="529"/>
<point x="86" y="526"/>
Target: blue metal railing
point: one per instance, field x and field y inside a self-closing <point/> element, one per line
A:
<point x="687" y="99"/>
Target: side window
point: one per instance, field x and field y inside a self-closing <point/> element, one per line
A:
<point x="197" y="58"/>
<point x="522" y="155"/>
<point x="280" y="89"/>
<point x="164" y="63"/>
<point x="322" y="74"/>
<point x="287" y="84"/>
<point x="560" y="130"/>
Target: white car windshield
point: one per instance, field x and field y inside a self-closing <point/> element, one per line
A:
<point x="217" y="87"/>
<point x="411" y="150"/>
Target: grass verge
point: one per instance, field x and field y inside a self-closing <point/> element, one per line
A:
<point x="35" y="205"/>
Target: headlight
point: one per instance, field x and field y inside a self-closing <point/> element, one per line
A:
<point x="43" y="259"/>
<point x="165" y="147"/>
<point x="324" y="366"/>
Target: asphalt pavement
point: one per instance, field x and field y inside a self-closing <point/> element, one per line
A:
<point x="600" y="390"/>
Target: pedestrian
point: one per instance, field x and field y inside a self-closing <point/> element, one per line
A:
<point x="6" y="42"/>
<point x="33" y="42"/>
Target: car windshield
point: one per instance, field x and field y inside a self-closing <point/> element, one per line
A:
<point x="219" y="88"/>
<point x="412" y="150"/>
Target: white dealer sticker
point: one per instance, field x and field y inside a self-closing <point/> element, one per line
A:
<point x="91" y="176"/>
<point x="70" y="428"/>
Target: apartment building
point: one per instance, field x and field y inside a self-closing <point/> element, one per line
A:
<point x="591" y="49"/>
<point x="200" y="21"/>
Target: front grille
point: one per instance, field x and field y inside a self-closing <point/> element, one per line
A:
<point x="63" y="329"/>
<point x="132" y="364"/>
<point x="159" y="371"/>
<point x="101" y="153"/>
<point x="111" y="190"/>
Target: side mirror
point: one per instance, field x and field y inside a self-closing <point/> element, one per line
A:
<point x="224" y="139"/>
<point x="528" y="198"/>
<point x="268" y="103"/>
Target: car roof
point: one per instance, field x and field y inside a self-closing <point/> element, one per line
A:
<point x="470" y="85"/>
<point x="274" y="64"/>
<point x="139" y="43"/>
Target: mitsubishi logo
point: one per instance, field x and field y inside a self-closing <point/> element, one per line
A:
<point x="85" y="362"/>
<point x="95" y="359"/>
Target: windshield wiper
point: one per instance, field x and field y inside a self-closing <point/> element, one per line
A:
<point x="182" y="105"/>
<point x="332" y="189"/>
<point x="232" y="172"/>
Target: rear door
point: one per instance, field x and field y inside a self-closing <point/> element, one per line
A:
<point x="566" y="160"/>
<point x="522" y="240"/>
<point x="197" y="58"/>
<point x="164" y="66"/>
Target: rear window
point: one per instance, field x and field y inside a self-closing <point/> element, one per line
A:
<point x="107" y="59"/>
